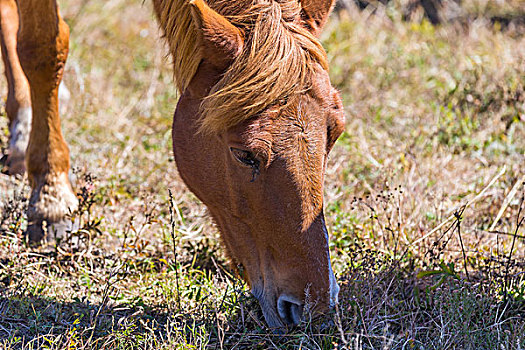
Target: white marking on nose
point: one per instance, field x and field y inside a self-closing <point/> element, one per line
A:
<point x="334" y="287"/>
<point x="64" y="96"/>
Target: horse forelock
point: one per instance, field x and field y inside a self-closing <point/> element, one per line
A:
<point x="181" y="34"/>
<point x="277" y="62"/>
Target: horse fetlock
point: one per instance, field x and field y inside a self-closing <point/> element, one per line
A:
<point x="18" y="141"/>
<point x="51" y="204"/>
<point x="52" y="199"/>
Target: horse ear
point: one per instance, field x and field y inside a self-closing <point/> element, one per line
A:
<point x="315" y="13"/>
<point x="222" y="41"/>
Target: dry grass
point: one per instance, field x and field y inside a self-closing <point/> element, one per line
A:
<point x="434" y="116"/>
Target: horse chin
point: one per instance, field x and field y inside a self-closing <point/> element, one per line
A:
<point x="269" y="310"/>
<point x="284" y="312"/>
<point x="272" y="319"/>
<point x="282" y="315"/>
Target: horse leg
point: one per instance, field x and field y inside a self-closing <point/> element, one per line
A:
<point x="18" y="104"/>
<point x="43" y="43"/>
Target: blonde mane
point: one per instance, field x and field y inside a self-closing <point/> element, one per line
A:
<point x="277" y="61"/>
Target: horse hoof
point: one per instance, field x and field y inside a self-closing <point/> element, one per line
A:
<point x="41" y="232"/>
<point x="16" y="166"/>
<point x="12" y="165"/>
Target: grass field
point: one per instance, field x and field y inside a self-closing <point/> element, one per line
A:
<point x="424" y="197"/>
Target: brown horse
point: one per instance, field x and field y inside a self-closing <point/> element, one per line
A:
<point x="252" y="129"/>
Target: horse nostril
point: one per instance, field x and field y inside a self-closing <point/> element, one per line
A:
<point x="290" y="310"/>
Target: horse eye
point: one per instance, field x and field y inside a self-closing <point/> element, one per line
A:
<point x="245" y="157"/>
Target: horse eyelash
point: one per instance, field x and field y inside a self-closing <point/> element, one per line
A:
<point x="255" y="170"/>
<point x="250" y="161"/>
